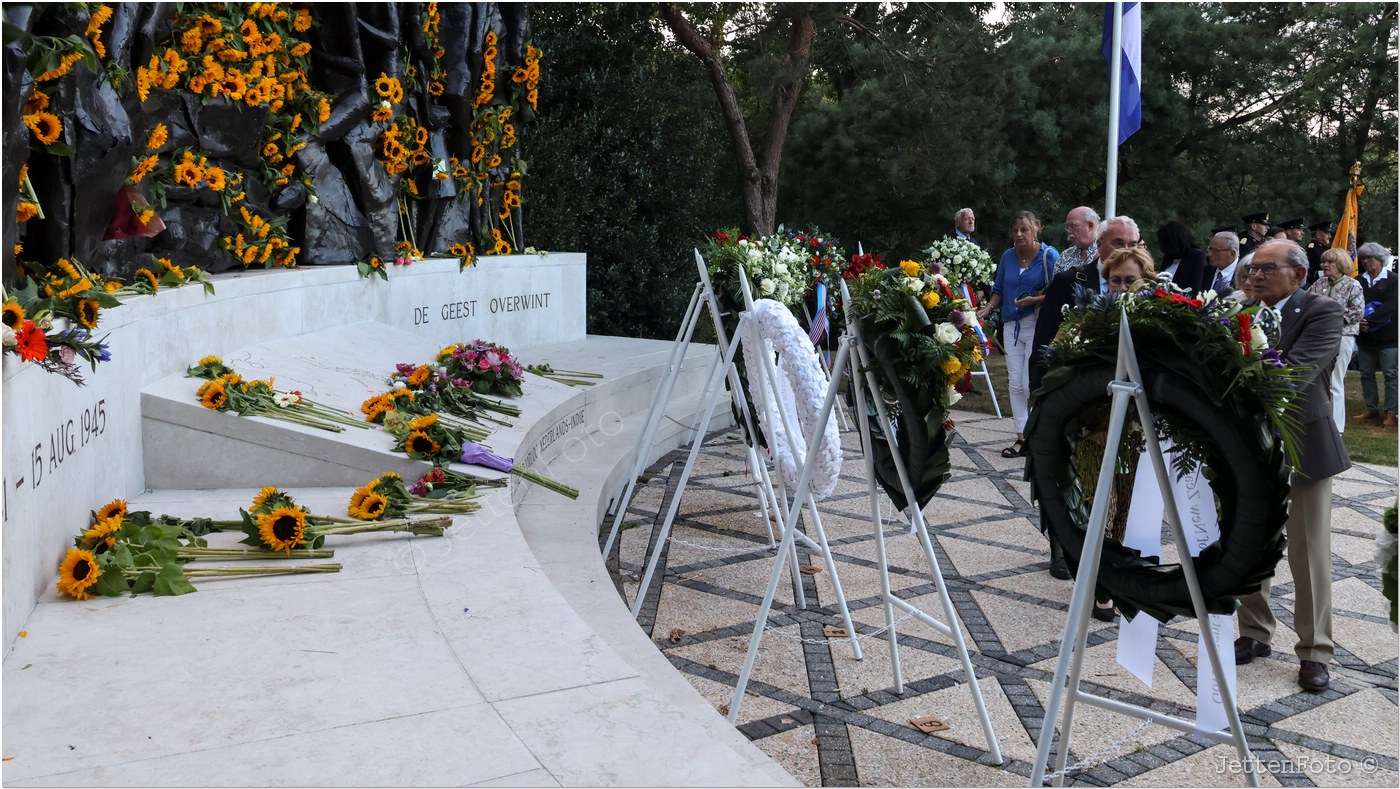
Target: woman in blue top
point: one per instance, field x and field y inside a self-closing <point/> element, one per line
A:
<point x="1022" y="276"/>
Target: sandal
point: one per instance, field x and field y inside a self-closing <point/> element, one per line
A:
<point x="1016" y="450"/>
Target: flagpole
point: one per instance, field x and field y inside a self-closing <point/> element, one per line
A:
<point x="1115" y="86"/>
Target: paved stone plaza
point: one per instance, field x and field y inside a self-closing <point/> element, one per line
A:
<point x="833" y="721"/>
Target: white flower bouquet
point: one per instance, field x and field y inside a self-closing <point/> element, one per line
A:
<point x="961" y="262"/>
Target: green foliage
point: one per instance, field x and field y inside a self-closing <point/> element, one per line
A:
<point x="629" y="163"/>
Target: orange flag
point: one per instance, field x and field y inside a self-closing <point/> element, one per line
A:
<point x="1345" y="237"/>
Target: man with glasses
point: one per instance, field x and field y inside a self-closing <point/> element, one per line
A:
<point x="1120" y="232"/>
<point x="1082" y="232"/>
<point x="1223" y="255"/>
<point x="1309" y="338"/>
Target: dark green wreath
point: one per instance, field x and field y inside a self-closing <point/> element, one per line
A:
<point x="1221" y="407"/>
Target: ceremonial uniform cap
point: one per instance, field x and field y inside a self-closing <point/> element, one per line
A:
<point x="1324" y="225"/>
<point x="1261" y="218"/>
<point x="1291" y="224"/>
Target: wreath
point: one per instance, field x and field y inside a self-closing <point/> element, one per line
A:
<point x="1222" y="397"/>
<point x="801" y="385"/>
<point x="920" y="335"/>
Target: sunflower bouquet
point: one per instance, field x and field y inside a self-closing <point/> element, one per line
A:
<point x="487" y="367"/>
<point x="429" y="438"/>
<point x="455" y="394"/>
<point x="386" y="496"/>
<point x="137" y="552"/>
<point x="276" y="522"/>
<point x="397" y="404"/>
<point x="50" y="319"/>
<point x="565" y="377"/>
<point x="225" y="390"/>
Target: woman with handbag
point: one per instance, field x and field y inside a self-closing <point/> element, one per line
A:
<point x="1337" y="284"/>
<point x="1022" y="276"/>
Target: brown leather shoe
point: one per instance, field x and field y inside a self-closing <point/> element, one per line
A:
<point x="1368" y="414"/>
<point x="1389" y="420"/>
<point x="1247" y="649"/>
<point x="1312" y="676"/>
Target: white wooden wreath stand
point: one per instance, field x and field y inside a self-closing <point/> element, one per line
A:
<point x="1127" y="384"/>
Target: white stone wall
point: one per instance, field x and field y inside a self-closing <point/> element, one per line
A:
<point x="69" y="449"/>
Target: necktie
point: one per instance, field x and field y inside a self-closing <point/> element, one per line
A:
<point x="1219" y="285"/>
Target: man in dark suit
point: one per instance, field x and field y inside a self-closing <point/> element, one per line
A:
<point x="1117" y="233"/>
<point x="1258" y="228"/>
<point x="1321" y="242"/>
<point x="964" y="223"/>
<point x="1223" y="255"/>
<point x="1310" y="336"/>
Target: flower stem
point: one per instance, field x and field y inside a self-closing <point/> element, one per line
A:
<point x="557" y="487"/>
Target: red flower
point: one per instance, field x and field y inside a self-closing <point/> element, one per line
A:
<point x="1244" y="331"/>
<point x="964" y="384"/>
<point x="720" y="235"/>
<point x="30" y="342"/>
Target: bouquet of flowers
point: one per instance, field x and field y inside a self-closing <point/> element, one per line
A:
<point x="963" y="262"/>
<point x="921" y="336"/>
<point x="429" y="438"/>
<point x="276" y="522"/>
<point x="225" y="390"/>
<point x="386" y="496"/>
<point x="487" y="367"/>
<point x="451" y="404"/>
<point x="52" y="326"/>
<point x="440" y="483"/>
<point x="442" y="382"/>
<point x="823" y="254"/>
<point x="1233" y="341"/>
<point x="776" y="266"/>
<point x="134" y="551"/>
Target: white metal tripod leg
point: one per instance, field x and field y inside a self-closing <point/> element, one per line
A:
<point x="863" y="423"/>
<point x="764" y="491"/>
<point x="1077" y="623"/>
<point x="804" y="489"/>
<point x="992" y="390"/>
<point x="709" y="397"/>
<point x="835" y="580"/>
<point x="659" y="404"/>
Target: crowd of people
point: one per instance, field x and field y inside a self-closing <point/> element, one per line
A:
<point x="1328" y="316"/>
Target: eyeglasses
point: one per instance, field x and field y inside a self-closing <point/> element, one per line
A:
<point x="1122" y="282"/>
<point x="1365" y="258"/>
<point x="1267" y="269"/>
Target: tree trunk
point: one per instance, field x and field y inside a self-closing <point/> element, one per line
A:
<point x="758" y="171"/>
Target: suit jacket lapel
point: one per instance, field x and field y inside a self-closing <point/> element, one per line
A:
<point x="1292" y="314"/>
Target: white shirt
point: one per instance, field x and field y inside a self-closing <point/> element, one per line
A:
<point x="1385" y="272"/>
<point x="1228" y="272"/>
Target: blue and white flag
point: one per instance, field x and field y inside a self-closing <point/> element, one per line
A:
<point x="1130" y="57"/>
<point x="820" y="321"/>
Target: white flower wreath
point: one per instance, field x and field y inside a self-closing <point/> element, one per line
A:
<point x="801" y="387"/>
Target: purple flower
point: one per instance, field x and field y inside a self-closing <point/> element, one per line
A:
<point x="461" y="383"/>
<point x="418" y="488"/>
<point x="958" y="319"/>
<point x="1271" y="356"/>
<point x="406" y="369"/>
<point x="478" y="455"/>
<point x="102" y="352"/>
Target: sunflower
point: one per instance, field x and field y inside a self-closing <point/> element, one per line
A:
<point x="457" y="251"/>
<point x="423" y="422"/>
<point x="77" y="573"/>
<point x="300" y="49"/>
<point x="357" y="500"/>
<point x="381" y="113"/>
<point x="384" y="86"/>
<point x="102" y="537"/>
<point x="283" y="529"/>
<point x="45" y="125"/>
<point x="214" y="176"/>
<point x="64" y="64"/>
<point x="368" y="405"/>
<point x="88" y="310"/>
<point x="159" y="135"/>
<point x="25" y="211"/>
<point x="145" y="273"/>
<point x="303" y="21"/>
<point x="435" y="88"/>
<point x="420" y="135"/>
<point x="420" y="443"/>
<point x="214" y="396"/>
<point x="13" y="314"/>
<point x="263" y="495"/>
<point x="323" y="109"/>
<point x="188" y="173"/>
<point x="30" y="342"/>
<point x="418" y="376"/>
<point x="38" y="100"/>
<point x="373" y="506"/>
<point x="116" y="508"/>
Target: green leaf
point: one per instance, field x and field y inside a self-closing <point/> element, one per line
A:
<point x="143" y="583"/>
<point x="172" y="581"/>
<point x="111" y="583"/>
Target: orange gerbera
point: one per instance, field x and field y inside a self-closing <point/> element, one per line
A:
<point x="30" y="342"/>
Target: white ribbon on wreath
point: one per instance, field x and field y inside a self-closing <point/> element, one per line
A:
<point x="801" y="385"/>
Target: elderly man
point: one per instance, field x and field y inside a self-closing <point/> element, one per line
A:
<point x="1310" y="336"/>
<point x="1223" y="255"/>
<point x="1120" y="232"/>
<point x="1082" y="232"/>
<point x="964" y="222"/>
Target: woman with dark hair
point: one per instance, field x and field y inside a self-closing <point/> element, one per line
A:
<point x="1182" y="258"/>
